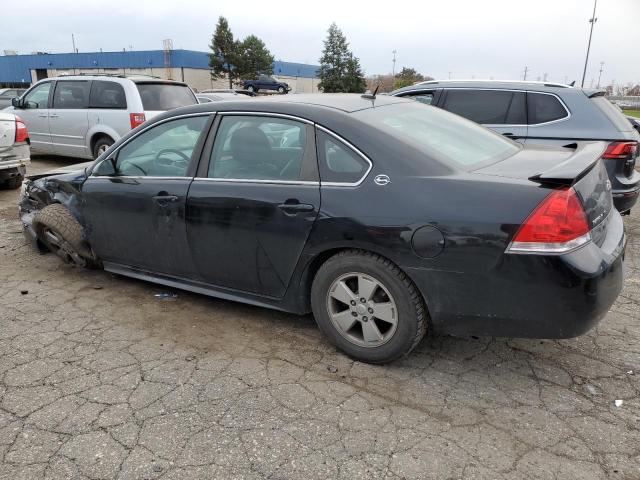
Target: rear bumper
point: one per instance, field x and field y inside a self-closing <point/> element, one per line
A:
<point x="530" y="296"/>
<point x="624" y="200"/>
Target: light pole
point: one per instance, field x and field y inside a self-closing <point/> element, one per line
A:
<point x="592" y="21"/>
<point x="600" y="74"/>
<point x="393" y="72"/>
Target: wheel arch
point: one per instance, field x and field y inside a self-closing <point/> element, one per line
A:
<point x="99" y="132"/>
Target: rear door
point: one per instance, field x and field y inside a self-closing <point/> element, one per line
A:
<point x="108" y="107"/>
<point x="503" y="111"/>
<point x="252" y="206"/>
<point x="68" y="118"/>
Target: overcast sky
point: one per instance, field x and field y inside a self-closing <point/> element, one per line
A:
<point x="466" y="38"/>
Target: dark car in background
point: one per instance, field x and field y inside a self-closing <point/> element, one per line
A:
<point x="547" y="114"/>
<point x="385" y="218"/>
<point x="266" y="82"/>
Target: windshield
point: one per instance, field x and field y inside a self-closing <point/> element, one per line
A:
<point x="165" y="96"/>
<point x="442" y="136"/>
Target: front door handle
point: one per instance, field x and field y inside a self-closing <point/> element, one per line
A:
<point x="164" y="200"/>
<point x="508" y="134"/>
<point x="43" y="115"/>
<point x="293" y="208"/>
<point x="54" y="115"/>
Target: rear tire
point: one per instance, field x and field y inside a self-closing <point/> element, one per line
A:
<point x="14" y="182"/>
<point x="61" y="233"/>
<point x="251" y="89"/>
<point x="387" y="293"/>
<point x="101" y="146"/>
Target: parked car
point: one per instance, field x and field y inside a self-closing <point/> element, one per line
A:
<point x="83" y="115"/>
<point x="14" y="150"/>
<point x="635" y="122"/>
<point x="548" y="114"/>
<point x="217" y="97"/>
<point x="8" y="94"/>
<point x="266" y="82"/>
<point x="239" y="91"/>
<point x="385" y="222"/>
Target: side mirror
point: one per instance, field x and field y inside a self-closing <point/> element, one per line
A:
<point x="106" y="168"/>
<point x="16" y="102"/>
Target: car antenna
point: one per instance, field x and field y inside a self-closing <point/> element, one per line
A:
<point x="371" y="96"/>
<point x="572" y="83"/>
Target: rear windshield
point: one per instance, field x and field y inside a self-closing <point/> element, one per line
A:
<point x="613" y="113"/>
<point x="442" y="136"/>
<point x="165" y="96"/>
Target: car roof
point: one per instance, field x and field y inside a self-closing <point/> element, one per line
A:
<point x="137" y="78"/>
<point x="345" y="102"/>
<point x="550" y="87"/>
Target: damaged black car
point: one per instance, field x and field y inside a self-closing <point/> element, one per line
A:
<point x="383" y="217"/>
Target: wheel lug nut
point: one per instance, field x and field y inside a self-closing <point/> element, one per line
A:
<point x="353" y="303"/>
<point x="370" y="310"/>
<point x="365" y="319"/>
<point x="354" y="314"/>
<point x="362" y="300"/>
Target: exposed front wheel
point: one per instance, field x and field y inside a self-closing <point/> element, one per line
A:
<point x="251" y="89"/>
<point x="61" y="233"/>
<point x="280" y="90"/>
<point x="368" y="307"/>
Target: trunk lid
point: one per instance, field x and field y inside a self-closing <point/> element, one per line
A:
<point x="552" y="167"/>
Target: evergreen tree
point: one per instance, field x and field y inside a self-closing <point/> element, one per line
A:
<point x="224" y="52"/>
<point x="339" y="70"/>
<point x="253" y="58"/>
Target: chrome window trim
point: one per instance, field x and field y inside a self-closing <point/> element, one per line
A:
<point x="165" y="120"/>
<point x="266" y="114"/>
<point x="140" y="177"/>
<point x="566" y="109"/>
<point x="258" y="181"/>
<point x="356" y="150"/>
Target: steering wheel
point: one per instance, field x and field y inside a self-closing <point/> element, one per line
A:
<point x="183" y="157"/>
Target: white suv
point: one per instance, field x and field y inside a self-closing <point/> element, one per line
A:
<point x="82" y="115"/>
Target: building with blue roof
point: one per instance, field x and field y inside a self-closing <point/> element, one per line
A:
<point x="189" y="66"/>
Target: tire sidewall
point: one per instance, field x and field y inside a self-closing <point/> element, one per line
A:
<point x="101" y="141"/>
<point x="281" y="90"/>
<point x="407" y="328"/>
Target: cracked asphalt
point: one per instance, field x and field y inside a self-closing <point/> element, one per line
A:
<point x="100" y="379"/>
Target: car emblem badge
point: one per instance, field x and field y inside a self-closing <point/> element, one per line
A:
<point x="382" y="180"/>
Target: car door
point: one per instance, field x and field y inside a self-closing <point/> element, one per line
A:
<point x="503" y="111"/>
<point x="134" y="200"/>
<point x="68" y="118"/>
<point x="253" y="203"/>
<point x="35" y="114"/>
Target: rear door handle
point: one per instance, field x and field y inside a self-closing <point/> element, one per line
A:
<point x="165" y="199"/>
<point x="296" y="207"/>
<point x="54" y="115"/>
<point x="43" y="115"/>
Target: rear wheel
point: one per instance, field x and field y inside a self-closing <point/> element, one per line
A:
<point x="61" y="233"/>
<point x="14" y="182"/>
<point x="251" y="89"/>
<point x="101" y="146"/>
<point x="368" y="307"/>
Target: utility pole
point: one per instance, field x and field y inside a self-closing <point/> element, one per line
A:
<point x="526" y="69"/>
<point x="73" y="42"/>
<point x="592" y="21"/>
<point x="393" y="72"/>
<point x="600" y="74"/>
<point x="544" y="77"/>
<point x="449" y="75"/>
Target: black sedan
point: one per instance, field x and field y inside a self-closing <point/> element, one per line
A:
<point x="384" y="217"/>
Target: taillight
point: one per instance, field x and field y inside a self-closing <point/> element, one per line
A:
<point x="22" y="134"/>
<point x="136" y="119"/>
<point x="558" y="225"/>
<point x="620" y="150"/>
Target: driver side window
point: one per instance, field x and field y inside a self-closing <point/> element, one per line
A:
<point x="38" y="97"/>
<point x="162" y="151"/>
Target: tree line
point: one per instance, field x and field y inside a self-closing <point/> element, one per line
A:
<point x="339" y="71"/>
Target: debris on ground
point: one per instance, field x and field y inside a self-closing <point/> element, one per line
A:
<point x="618" y="403"/>
<point x="24" y="292"/>
<point x="169" y="297"/>
<point x="332" y="369"/>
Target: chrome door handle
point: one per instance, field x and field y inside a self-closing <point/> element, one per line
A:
<point x="53" y="115"/>
<point x="43" y="115"/>
<point x="165" y="199"/>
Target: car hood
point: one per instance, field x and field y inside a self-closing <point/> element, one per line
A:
<point x="78" y="167"/>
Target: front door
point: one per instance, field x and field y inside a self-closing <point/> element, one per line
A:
<point x="135" y="199"/>
<point x="254" y="202"/>
<point x="35" y="113"/>
<point x="68" y="118"/>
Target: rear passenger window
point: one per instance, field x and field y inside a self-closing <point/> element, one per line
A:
<point x="107" y="95"/>
<point x="338" y="162"/>
<point x="493" y="107"/>
<point x="544" y="108"/>
<point x="422" y="97"/>
<point x="71" y="94"/>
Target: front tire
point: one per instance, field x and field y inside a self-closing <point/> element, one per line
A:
<point x="14" y="182"/>
<point x="61" y="233"/>
<point x="280" y="90"/>
<point x="368" y="307"/>
<point x="251" y="89"/>
<point x="101" y="146"/>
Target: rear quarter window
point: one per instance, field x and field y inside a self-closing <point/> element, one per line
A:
<point x="107" y="95"/>
<point x="165" y="96"/>
<point x="543" y="108"/>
